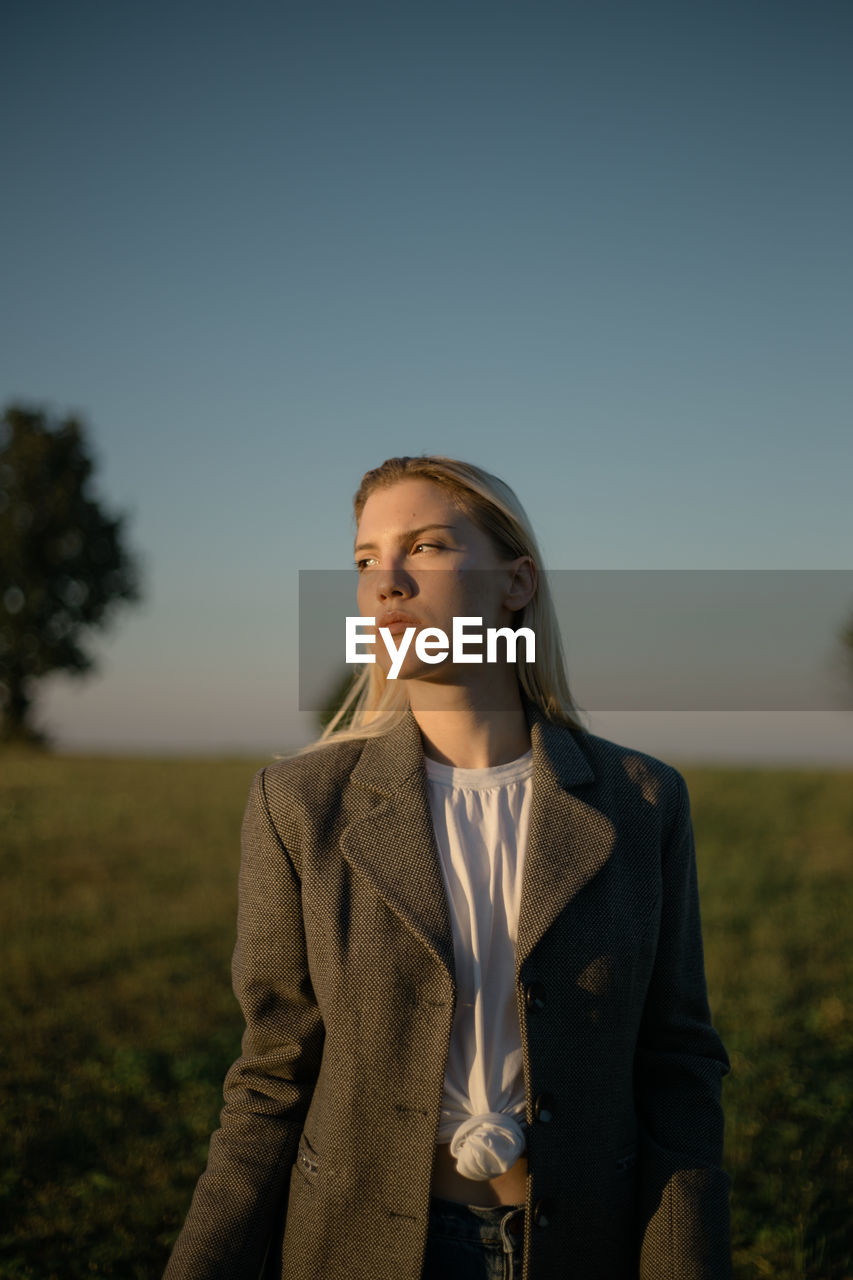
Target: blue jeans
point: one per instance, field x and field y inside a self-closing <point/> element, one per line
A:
<point x="473" y="1242"/>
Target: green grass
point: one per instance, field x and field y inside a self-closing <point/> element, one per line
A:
<point x="117" y="924"/>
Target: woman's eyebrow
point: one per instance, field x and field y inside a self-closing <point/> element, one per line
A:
<point x="405" y="537"/>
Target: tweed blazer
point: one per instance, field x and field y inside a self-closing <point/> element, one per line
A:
<point x="344" y="970"/>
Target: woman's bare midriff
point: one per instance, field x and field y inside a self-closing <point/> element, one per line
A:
<point x="448" y="1182"/>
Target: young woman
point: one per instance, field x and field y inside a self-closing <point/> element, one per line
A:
<point x="469" y="956"/>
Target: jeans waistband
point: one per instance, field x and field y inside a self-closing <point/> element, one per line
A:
<point x="486" y="1224"/>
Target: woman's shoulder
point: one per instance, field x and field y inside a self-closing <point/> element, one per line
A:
<point x="628" y="768"/>
<point x="607" y="751"/>
<point x="310" y="773"/>
<point x="303" y="790"/>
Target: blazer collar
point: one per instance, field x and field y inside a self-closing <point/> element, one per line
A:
<point x="393" y="843"/>
<point x="387" y="762"/>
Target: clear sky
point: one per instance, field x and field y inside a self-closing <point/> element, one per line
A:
<point x="602" y="249"/>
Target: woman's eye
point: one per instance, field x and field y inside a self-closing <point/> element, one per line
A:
<point x="434" y="545"/>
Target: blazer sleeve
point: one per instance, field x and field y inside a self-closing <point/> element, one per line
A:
<point x="679" y="1066"/>
<point x="242" y="1194"/>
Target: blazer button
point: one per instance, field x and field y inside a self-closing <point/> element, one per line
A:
<point x="535" y="996"/>
<point x="543" y="1213"/>
<point x="543" y="1108"/>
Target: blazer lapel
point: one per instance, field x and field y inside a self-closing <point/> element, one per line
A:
<point x="393" y="844"/>
<point x="568" y="840"/>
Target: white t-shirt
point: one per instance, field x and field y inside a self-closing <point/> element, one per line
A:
<point x="480" y="818"/>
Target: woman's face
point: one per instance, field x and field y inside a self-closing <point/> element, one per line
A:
<point x="408" y="531"/>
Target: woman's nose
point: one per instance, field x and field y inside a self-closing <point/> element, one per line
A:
<point x="391" y="582"/>
<point x="392" y="586"/>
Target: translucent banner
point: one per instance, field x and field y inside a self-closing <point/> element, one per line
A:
<point x="632" y="639"/>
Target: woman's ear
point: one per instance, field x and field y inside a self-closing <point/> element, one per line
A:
<point x="523" y="582"/>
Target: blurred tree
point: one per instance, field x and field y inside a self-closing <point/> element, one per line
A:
<point x="63" y="567"/>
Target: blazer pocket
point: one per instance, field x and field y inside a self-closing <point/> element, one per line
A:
<point x="625" y="1159"/>
<point x="307" y="1161"/>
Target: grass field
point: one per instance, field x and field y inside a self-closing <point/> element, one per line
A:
<point x="117" y="924"/>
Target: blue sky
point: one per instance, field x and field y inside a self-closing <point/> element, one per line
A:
<point x="601" y="249"/>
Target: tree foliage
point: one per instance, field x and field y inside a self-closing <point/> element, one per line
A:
<point x="63" y="565"/>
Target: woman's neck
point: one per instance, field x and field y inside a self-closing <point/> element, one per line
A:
<point x="470" y="736"/>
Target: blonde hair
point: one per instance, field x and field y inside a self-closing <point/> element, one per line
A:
<point x="373" y="704"/>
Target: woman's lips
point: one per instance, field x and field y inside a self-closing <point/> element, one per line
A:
<point x="397" y="628"/>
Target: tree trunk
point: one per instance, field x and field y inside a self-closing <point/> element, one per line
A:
<point x="17" y="710"/>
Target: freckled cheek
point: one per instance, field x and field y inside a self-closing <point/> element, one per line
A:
<point x="443" y="606"/>
<point x="366" y="602"/>
<point x="475" y="602"/>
